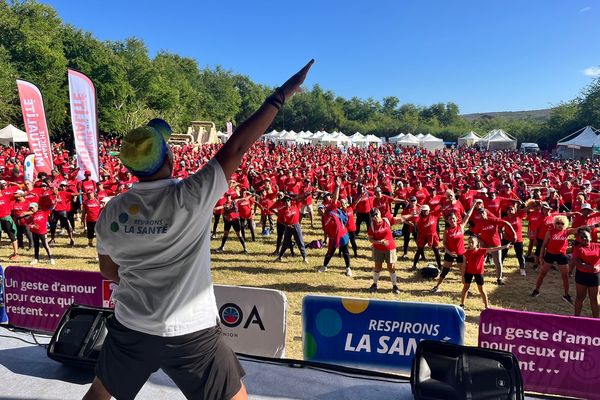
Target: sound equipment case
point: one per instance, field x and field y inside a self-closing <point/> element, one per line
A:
<point x="79" y="336"/>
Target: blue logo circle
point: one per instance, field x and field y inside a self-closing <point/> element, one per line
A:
<point x="231" y="315"/>
<point x="123" y="218"/>
<point x="329" y="322"/>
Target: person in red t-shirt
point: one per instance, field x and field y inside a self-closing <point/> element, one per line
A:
<point x="231" y="217"/>
<point x="586" y="258"/>
<point x="291" y="221"/>
<point x="554" y="250"/>
<point x="362" y="206"/>
<point x="217" y="212"/>
<point x="37" y="222"/>
<point x="426" y="223"/>
<point x="384" y="249"/>
<point x="277" y="208"/>
<point x="62" y="202"/>
<point x="337" y="236"/>
<point x="265" y="202"/>
<point x="514" y="216"/>
<point x="91" y="211"/>
<point x="472" y="268"/>
<point x="351" y="225"/>
<point x="454" y="243"/>
<point x="7" y="224"/>
<point x="245" y="205"/>
<point x="19" y="210"/>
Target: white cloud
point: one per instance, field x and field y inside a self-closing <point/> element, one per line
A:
<point x="584" y="9"/>
<point x="592" y="71"/>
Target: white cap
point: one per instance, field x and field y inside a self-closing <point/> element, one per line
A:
<point x="20" y="193"/>
<point x="586" y="182"/>
<point x="63" y="183"/>
<point x="425" y="208"/>
<point x="34" y="204"/>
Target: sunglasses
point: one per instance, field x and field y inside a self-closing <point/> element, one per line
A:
<point x="559" y="223"/>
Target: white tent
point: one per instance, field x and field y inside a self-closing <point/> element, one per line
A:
<point x="431" y="143"/>
<point x="395" y="139"/>
<point x="580" y="145"/>
<point x="287" y="138"/>
<point x="373" y="139"/>
<point x="409" y="140"/>
<point x="223" y="137"/>
<point x="12" y="134"/>
<point x="469" y="139"/>
<point x="497" y="139"/>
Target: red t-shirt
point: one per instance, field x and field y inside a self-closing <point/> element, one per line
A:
<point x="364" y="204"/>
<point x="589" y="254"/>
<point x="383" y="204"/>
<point x="245" y="207"/>
<point x="5" y="206"/>
<point x="291" y="214"/>
<point x="92" y="209"/>
<point x="487" y="229"/>
<point x="18" y="208"/>
<point x="230" y="211"/>
<point x="474" y="259"/>
<point x="38" y="222"/>
<point x="456" y="209"/>
<point x="220" y="202"/>
<point x="351" y="225"/>
<point x="381" y="231"/>
<point x="455" y="240"/>
<point x="332" y="226"/>
<point x="517" y="223"/>
<point x="558" y="242"/>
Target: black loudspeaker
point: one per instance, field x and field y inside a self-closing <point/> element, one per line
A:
<point x="79" y="336"/>
<point x="444" y="371"/>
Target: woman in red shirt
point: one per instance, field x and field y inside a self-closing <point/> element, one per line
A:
<point x="231" y="217"/>
<point x="291" y="220"/>
<point x="350" y="225"/>
<point x="91" y="211"/>
<point x="554" y="250"/>
<point x="586" y="259"/>
<point x="515" y="218"/>
<point x="454" y="243"/>
<point x="37" y="222"/>
<point x="472" y="268"/>
<point x="384" y="249"/>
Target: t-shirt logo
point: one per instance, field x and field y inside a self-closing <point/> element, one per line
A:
<point x="131" y="223"/>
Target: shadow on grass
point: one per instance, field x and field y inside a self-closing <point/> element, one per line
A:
<point x="304" y="287"/>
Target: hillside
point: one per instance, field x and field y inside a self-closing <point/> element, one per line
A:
<point x="537" y="115"/>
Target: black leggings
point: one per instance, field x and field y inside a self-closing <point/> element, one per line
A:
<point x="343" y="249"/>
<point x="23" y="230"/>
<point x="217" y="218"/>
<point x="64" y="222"/>
<point x="406" y="236"/>
<point x="352" y="236"/>
<point x="248" y="223"/>
<point x="360" y="218"/>
<point x="36" y="245"/>
<point x="518" y="251"/>
<point x="421" y="251"/>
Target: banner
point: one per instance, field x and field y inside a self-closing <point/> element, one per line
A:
<point x="558" y="354"/>
<point x="29" y="168"/>
<point x="375" y="333"/>
<point x="3" y="317"/>
<point x="82" y="97"/>
<point x="36" y="298"/>
<point x="253" y="320"/>
<point x="34" y="118"/>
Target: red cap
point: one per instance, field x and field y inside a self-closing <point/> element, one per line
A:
<point x="87" y="173"/>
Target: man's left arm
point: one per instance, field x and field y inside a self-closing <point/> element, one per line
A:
<point x="108" y="268"/>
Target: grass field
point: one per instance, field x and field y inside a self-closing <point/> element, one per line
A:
<point x="297" y="279"/>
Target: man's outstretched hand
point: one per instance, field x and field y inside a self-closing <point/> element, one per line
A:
<point x="292" y="85"/>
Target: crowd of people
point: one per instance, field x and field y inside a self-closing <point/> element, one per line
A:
<point x="389" y="194"/>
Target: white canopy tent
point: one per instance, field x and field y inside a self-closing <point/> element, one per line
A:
<point x="580" y="145"/>
<point x="373" y="139"/>
<point x="288" y="138"/>
<point x="409" y="140"/>
<point x="395" y="139"/>
<point x="469" y="139"/>
<point x="497" y="139"/>
<point x="431" y="143"/>
<point x="12" y="134"/>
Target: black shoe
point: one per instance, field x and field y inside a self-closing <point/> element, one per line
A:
<point x="373" y="288"/>
<point x="245" y="251"/>
<point x="500" y="282"/>
<point x="219" y="250"/>
<point x="395" y="289"/>
<point x="567" y="299"/>
<point x="535" y="293"/>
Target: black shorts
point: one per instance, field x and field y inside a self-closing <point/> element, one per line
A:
<point x="538" y="246"/>
<point x="451" y="259"/>
<point x="559" y="259"/>
<point x="588" y="279"/>
<point x="8" y="227"/>
<point x="200" y="363"/>
<point x="478" y="278"/>
<point x="235" y="224"/>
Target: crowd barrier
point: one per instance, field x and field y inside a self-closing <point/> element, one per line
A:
<point x="375" y="333"/>
<point x="253" y="319"/>
<point x="557" y="354"/>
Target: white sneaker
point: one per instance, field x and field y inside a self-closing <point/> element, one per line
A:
<point x="52" y="261"/>
<point x="322" y="269"/>
<point x="33" y="262"/>
<point x="523" y="272"/>
<point x="348" y="272"/>
<point x="305" y="260"/>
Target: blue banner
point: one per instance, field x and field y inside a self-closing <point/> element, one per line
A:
<point x="3" y="316"/>
<point x="375" y="333"/>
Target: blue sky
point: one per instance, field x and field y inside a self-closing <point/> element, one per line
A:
<point x="485" y="55"/>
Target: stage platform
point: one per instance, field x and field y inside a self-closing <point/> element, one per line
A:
<point x="27" y="373"/>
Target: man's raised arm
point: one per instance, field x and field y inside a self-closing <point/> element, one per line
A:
<point x="230" y="155"/>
